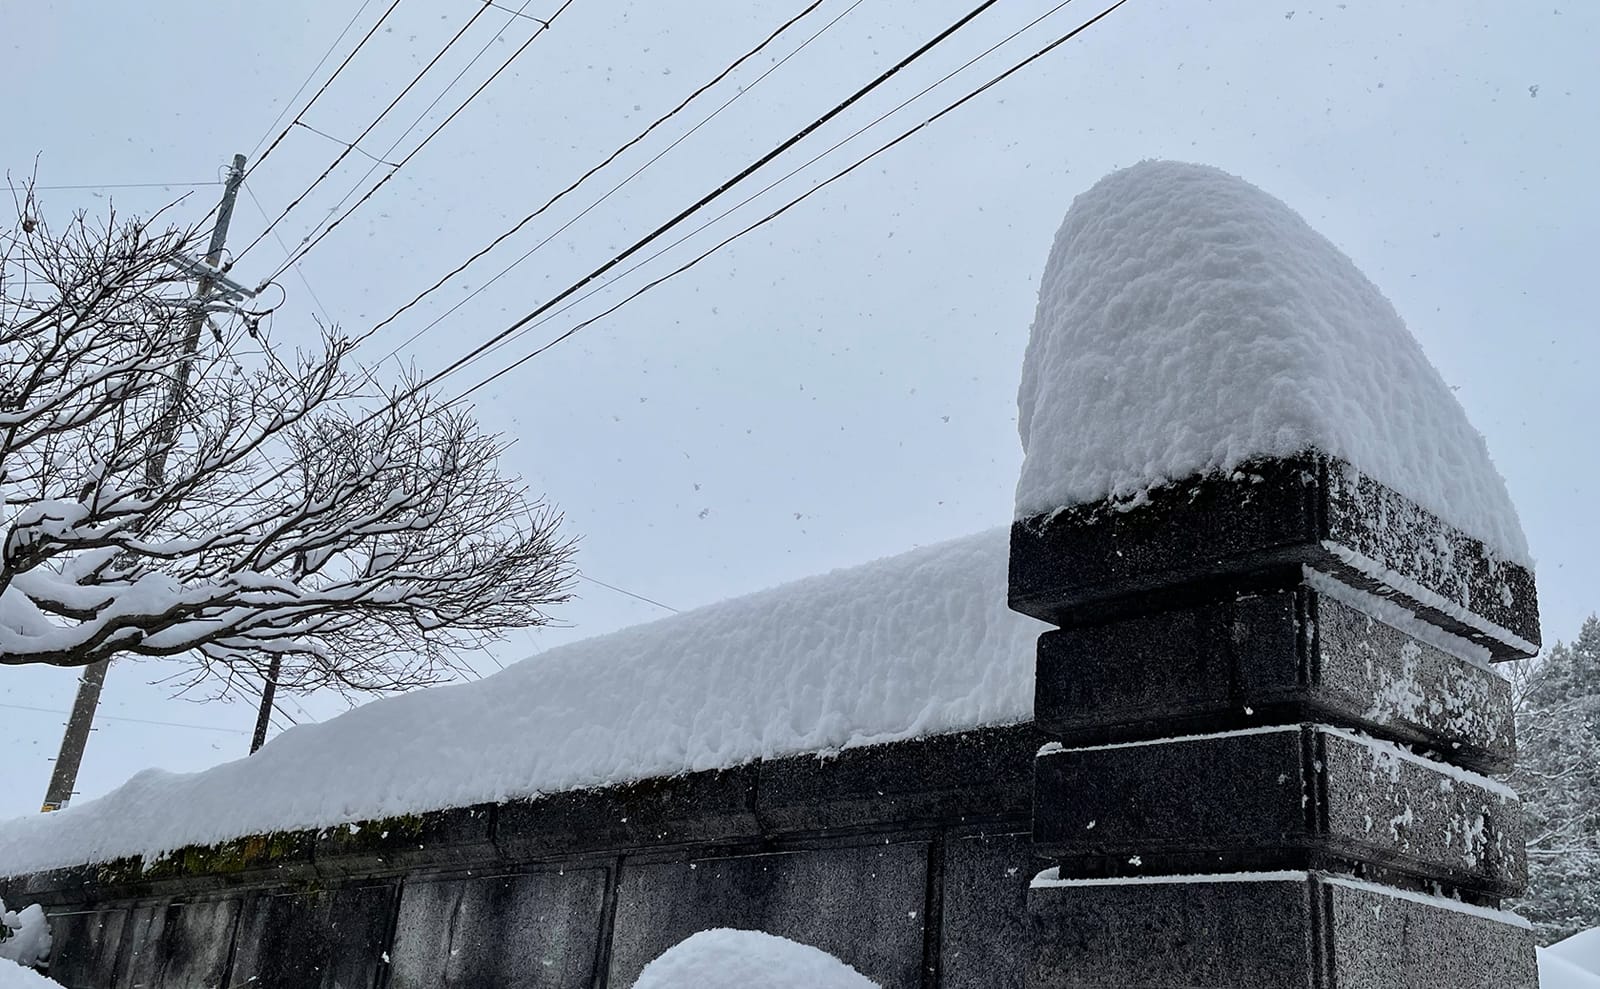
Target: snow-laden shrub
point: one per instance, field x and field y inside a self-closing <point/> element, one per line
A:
<point x="24" y="935"/>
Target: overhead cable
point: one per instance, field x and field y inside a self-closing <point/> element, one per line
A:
<point x="571" y="331"/>
<point x="311" y="75"/>
<point x="314" y="241"/>
<point x="723" y="74"/>
<point x="354" y="145"/>
<point x="323" y="88"/>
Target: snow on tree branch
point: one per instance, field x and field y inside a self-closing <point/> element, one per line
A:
<point x="266" y="507"/>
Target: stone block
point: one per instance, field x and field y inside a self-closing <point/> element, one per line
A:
<point x="333" y="938"/>
<point x="982" y="775"/>
<point x="1281" y="930"/>
<point x="1295" y="797"/>
<point x="983" y="942"/>
<point x="863" y="904"/>
<point x="1257" y="528"/>
<point x="533" y="930"/>
<point x="177" y="945"/>
<point x="696" y="807"/>
<point x="84" y="946"/>
<point x="1269" y="657"/>
<point x="457" y="836"/>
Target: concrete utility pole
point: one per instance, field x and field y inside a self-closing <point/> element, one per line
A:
<point x="81" y="721"/>
<point x="269" y="689"/>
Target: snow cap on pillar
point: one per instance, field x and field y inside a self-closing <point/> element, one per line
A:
<point x="1189" y="322"/>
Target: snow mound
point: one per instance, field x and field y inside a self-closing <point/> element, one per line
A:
<point x="915" y="645"/>
<point x="1581" y="949"/>
<point x="1556" y="972"/>
<point x="26" y="935"/>
<point x="14" y="976"/>
<point x="729" y="959"/>
<point x="1188" y="321"/>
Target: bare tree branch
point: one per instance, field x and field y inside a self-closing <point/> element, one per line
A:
<point x="359" y="539"/>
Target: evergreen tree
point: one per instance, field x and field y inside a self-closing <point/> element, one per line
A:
<point x="1558" y="776"/>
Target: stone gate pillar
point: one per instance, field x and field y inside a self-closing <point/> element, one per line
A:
<point x="1274" y="717"/>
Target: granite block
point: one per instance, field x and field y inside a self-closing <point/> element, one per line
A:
<point x="1296" y="797"/>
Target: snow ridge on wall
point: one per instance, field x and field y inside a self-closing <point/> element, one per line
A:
<point x="1188" y="321"/>
<point x="915" y="645"/>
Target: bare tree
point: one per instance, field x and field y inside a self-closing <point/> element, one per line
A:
<point x="305" y="526"/>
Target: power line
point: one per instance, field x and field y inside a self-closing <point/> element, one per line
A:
<point x="126" y="185"/>
<point x="139" y="721"/>
<point x="299" y="272"/>
<point x="624" y="591"/>
<point x="755" y="195"/>
<point x="782" y="209"/>
<point x="349" y="146"/>
<point x="659" y="231"/>
<point x="310" y="75"/>
<point x="314" y="241"/>
<point x="608" y="160"/>
<point x="713" y="195"/>
<point x="518" y="13"/>
<point x="355" y="144"/>
<point x="324" y="87"/>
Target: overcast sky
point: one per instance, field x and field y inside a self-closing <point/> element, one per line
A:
<point x="841" y="384"/>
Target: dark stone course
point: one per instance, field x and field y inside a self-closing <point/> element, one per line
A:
<point x="537" y="930"/>
<point x="85" y="945"/>
<point x="1255" y="528"/>
<point x="862" y="904"/>
<point x="177" y="944"/>
<point x="1292" y="933"/>
<point x="332" y="938"/>
<point x="1378" y="941"/>
<point x="1294" y="798"/>
<point x="1269" y="657"/>
<point x="984" y="943"/>
<point x="972" y="776"/>
<point x="718" y="805"/>
<point x="435" y="838"/>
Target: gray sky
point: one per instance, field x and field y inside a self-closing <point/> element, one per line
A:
<point x="841" y="384"/>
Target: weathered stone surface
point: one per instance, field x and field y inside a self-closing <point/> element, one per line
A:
<point x="85" y="946"/>
<point x="535" y="930"/>
<point x="1301" y="797"/>
<point x="435" y="838"/>
<point x="1268" y="657"/>
<point x="696" y="807"/>
<point x="1278" y="933"/>
<point x="334" y="938"/>
<point x="863" y="904"/>
<point x="1376" y="940"/>
<point x="1254" y="529"/>
<point x="178" y="944"/>
<point x="958" y="778"/>
<point x="984" y="941"/>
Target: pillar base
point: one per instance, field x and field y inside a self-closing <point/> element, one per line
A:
<point x="1272" y="930"/>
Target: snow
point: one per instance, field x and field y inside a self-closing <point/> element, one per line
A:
<point x="730" y="959"/>
<point x="1561" y="967"/>
<point x="915" y="645"/>
<point x="16" y="977"/>
<point x="1581" y="950"/>
<point x="1051" y="878"/>
<point x="1389" y="577"/>
<point x="1390" y="612"/>
<point x="1188" y="321"/>
<point x="27" y="935"/>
